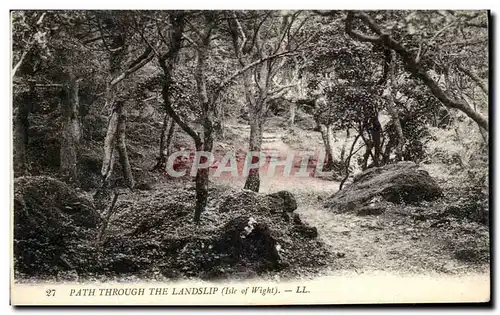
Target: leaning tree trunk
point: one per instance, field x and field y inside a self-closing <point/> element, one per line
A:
<point x="70" y="132"/>
<point x="253" y="179"/>
<point x="108" y="161"/>
<point x="326" y="135"/>
<point x="122" y="146"/>
<point x="162" y="160"/>
<point x="413" y="66"/>
<point x="115" y="136"/>
<point x="113" y="143"/>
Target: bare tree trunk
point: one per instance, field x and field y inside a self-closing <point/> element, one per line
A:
<point x="391" y="108"/>
<point x="122" y="145"/>
<point x="201" y="180"/>
<point x="170" y="137"/>
<point x="366" y="156"/>
<point x="108" y="160"/>
<point x="399" y="133"/>
<point x="348" y="163"/>
<point x="167" y="133"/>
<point x="201" y="186"/>
<point x="115" y="62"/>
<point x="376" y="136"/>
<point x="209" y="116"/>
<point x="70" y="131"/>
<point x="162" y="160"/>
<point x="326" y="135"/>
<point x="105" y="222"/>
<point x="255" y="143"/>
<point x="219" y="121"/>
<point x="115" y="142"/>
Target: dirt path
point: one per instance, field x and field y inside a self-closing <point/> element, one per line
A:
<point x="272" y="144"/>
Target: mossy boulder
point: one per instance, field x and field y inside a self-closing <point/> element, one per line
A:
<point x="50" y="220"/>
<point x="398" y="183"/>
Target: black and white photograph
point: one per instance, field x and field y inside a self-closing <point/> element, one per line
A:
<point x="250" y="157"/>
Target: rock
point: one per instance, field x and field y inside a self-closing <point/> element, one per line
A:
<point x="124" y="264"/>
<point x="244" y="238"/>
<point x="49" y="217"/>
<point x="289" y="202"/>
<point x="395" y="183"/>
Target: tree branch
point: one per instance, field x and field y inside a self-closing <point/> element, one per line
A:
<point x="471" y="74"/>
<point x="356" y="35"/>
<point x="250" y="66"/>
<point x="192" y="42"/>
<point x="18" y="64"/>
<point x="281" y="89"/>
<point x="243" y="36"/>
<point x="167" y="63"/>
<point x="140" y="62"/>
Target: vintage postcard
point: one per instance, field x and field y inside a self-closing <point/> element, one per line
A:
<point x="250" y="157"/>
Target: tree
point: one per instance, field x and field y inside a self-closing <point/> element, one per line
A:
<point x="71" y="133"/>
<point x="260" y="84"/>
<point x="29" y="44"/>
<point x="201" y="35"/>
<point x="413" y="61"/>
<point x="117" y="35"/>
<point x="49" y="70"/>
